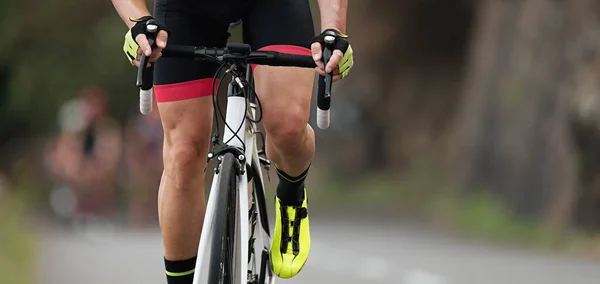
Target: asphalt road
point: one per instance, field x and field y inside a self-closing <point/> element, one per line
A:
<point x="346" y="252"/>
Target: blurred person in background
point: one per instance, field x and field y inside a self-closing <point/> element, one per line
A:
<point x="84" y="159"/>
<point x="143" y="159"/>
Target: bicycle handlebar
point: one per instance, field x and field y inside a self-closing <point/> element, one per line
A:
<point x="239" y="53"/>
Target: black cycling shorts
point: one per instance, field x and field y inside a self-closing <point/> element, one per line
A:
<point x="280" y="25"/>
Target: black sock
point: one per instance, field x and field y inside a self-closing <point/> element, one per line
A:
<point x="290" y="190"/>
<point x="180" y="271"/>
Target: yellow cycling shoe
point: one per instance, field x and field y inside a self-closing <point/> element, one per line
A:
<point x="291" y="239"/>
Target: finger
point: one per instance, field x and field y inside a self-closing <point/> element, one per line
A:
<point x="335" y="59"/>
<point x="155" y="55"/>
<point x="336" y="71"/>
<point x="337" y="77"/>
<point x="161" y="39"/>
<point x="316" y="51"/>
<point x="320" y="65"/>
<point x="137" y="63"/>
<point x="138" y="55"/>
<point x="143" y="43"/>
<point x="320" y="71"/>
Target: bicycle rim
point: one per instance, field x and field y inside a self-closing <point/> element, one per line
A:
<point x="221" y="264"/>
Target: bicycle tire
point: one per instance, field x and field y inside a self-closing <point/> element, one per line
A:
<point x="265" y="274"/>
<point x="223" y="242"/>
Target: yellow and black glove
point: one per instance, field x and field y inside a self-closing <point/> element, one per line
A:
<point x="341" y="44"/>
<point x="130" y="47"/>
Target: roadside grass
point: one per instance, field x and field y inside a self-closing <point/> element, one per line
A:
<point x="484" y="217"/>
<point x="17" y="242"/>
<point x="424" y="193"/>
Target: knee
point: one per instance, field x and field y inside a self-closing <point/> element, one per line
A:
<point x="288" y="129"/>
<point x="184" y="162"/>
<point x="184" y="149"/>
<point x="183" y="155"/>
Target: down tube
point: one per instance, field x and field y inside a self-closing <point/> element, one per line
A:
<point x="235" y="117"/>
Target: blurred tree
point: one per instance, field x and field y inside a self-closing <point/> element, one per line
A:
<point x="409" y="64"/>
<point x="520" y="77"/>
<point x="514" y="127"/>
<point x="584" y="52"/>
<point x="52" y="49"/>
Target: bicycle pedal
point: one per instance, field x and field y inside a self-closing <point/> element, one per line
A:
<point x="265" y="162"/>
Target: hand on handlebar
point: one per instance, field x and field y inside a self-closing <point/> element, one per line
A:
<point x="144" y="45"/>
<point x="136" y="42"/>
<point x="341" y="60"/>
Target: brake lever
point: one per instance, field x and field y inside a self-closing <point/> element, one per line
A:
<point x="327" y="52"/>
<point x="151" y="29"/>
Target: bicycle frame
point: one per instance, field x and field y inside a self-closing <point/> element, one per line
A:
<point x="237" y="110"/>
<point x="236" y="114"/>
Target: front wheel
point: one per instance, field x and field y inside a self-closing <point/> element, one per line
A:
<point x="221" y="266"/>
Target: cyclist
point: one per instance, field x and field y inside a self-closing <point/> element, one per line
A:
<point x="183" y="90"/>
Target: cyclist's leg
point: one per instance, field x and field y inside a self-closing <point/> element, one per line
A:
<point x="285" y="94"/>
<point x="183" y="89"/>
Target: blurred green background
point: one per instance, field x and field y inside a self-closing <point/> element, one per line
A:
<point x="480" y="117"/>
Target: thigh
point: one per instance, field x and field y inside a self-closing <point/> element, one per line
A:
<point x="285" y="95"/>
<point x="183" y="87"/>
<point x="178" y="79"/>
<point x="284" y="26"/>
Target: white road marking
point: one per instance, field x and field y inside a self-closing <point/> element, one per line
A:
<point x="370" y="268"/>
<point x="417" y="276"/>
<point x="374" y="268"/>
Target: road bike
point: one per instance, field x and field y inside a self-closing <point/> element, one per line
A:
<point x="238" y="251"/>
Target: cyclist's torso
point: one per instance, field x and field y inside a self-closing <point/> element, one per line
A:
<point x="223" y="11"/>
